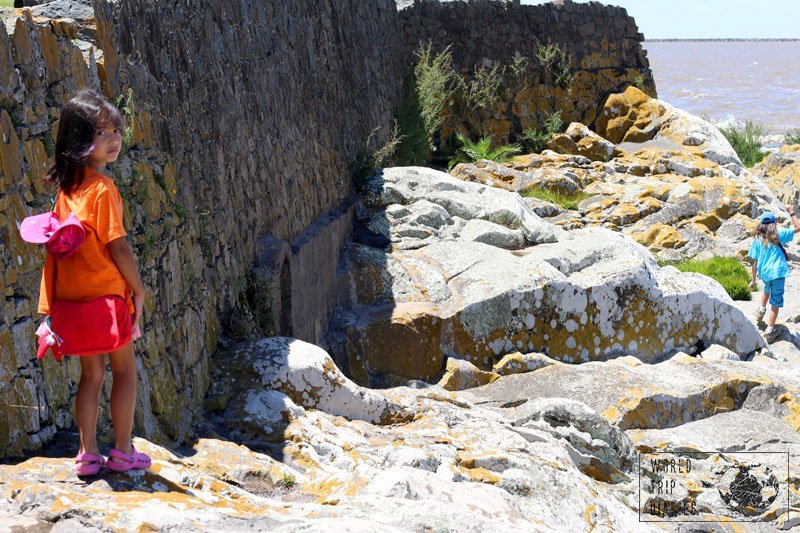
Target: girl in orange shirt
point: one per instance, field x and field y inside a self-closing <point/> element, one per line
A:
<point x="89" y="137"/>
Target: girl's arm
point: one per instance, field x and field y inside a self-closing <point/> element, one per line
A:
<point x="753" y="264"/>
<point x="123" y="257"/>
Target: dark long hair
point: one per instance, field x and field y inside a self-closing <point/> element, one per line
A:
<point x="75" y="139"/>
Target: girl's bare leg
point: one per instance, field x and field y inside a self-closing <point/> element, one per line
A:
<point x="86" y="401"/>
<point x="772" y="315"/>
<point x="123" y="396"/>
<point x="764" y="299"/>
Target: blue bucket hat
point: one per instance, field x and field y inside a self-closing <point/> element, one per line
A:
<point x="767" y="217"/>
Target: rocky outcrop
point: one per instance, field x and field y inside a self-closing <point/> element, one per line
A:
<point x="781" y="172"/>
<point x="517" y="472"/>
<point x="634" y="117"/>
<point x="460" y="375"/>
<point x="720" y="416"/>
<point x="259" y="387"/>
<point x="592" y="295"/>
<point x="580" y="140"/>
<point x="418" y="206"/>
<point x="565" y="447"/>
<point x="671" y="181"/>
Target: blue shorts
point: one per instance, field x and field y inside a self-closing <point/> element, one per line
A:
<point x="775" y="290"/>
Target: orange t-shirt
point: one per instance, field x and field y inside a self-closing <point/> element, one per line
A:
<point x="90" y="272"/>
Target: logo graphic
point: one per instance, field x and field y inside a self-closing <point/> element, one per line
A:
<point x="748" y="489"/>
<point x="707" y="486"/>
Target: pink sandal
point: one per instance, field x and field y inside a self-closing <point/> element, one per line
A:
<point x="134" y="461"/>
<point x="88" y="464"/>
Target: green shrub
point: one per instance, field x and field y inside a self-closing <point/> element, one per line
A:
<point x="553" y="123"/>
<point x="563" y="72"/>
<point x="483" y="90"/>
<point x="385" y="155"/>
<point x="469" y="151"/>
<point x="415" y="143"/>
<point x="517" y="72"/>
<point x="567" y="201"/>
<point x="728" y="271"/>
<point x="746" y="141"/>
<point x="792" y="137"/>
<point x="535" y="140"/>
<point x="555" y="64"/>
<point x="435" y="83"/>
<point x="546" y="55"/>
<point x="372" y="157"/>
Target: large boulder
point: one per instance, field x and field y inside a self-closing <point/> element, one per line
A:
<point x="631" y="116"/>
<point x="631" y="119"/>
<point x="593" y="295"/>
<point x="580" y="140"/>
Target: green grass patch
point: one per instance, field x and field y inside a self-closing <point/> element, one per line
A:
<point x="746" y="141"/>
<point x="6" y="3"/>
<point x="728" y="271"/>
<point x="567" y="201"/>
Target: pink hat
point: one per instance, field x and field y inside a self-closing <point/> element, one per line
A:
<point x="60" y="239"/>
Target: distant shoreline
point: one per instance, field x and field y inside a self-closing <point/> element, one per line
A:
<point x="720" y="40"/>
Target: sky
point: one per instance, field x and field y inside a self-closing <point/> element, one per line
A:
<point x="712" y="19"/>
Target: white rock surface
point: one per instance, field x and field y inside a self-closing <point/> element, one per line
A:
<point x="413" y="206"/>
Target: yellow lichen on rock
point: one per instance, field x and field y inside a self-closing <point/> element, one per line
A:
<point x="629" y="116"/>
<point x="660" y="236"/>
<point x="793" y="416"/>
<point x="781" y="172"/>
<point x="460" y="375"/>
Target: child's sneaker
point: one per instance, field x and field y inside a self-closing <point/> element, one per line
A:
<point x="771" y="335"/>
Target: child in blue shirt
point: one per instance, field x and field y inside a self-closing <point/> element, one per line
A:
<point x="770" y="262"/>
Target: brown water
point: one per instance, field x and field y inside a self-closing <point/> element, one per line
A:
<point x="731" y="81"/>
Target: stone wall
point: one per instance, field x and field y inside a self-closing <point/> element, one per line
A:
<point x="39" y="67"/>
<point x="602" y="45"/>
<point x="249" y="120"/>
